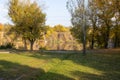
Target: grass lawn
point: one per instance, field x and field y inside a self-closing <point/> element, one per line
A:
<point x="97" y="65"/>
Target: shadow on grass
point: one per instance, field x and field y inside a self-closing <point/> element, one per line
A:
<point x="54" y="76"/>
<point x="107" y="61"/>
<point x="87" y="76"/>
<point x="61" y="56"/>
<point x="15" y="71"/>
<point x="95" y="60"/>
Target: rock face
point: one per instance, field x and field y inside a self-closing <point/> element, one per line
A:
<point x="1" y="37"/>
<point x="1" y="34"/>
<point x="55" y="41"/>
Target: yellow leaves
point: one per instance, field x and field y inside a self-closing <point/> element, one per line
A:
<point x="60" y="28"/>
<point x="1" y="27"/>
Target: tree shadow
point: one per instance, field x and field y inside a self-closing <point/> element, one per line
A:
<point x="106" y="61"/>
<point x="46" y="56"/>
<point x="54" y="76"/>
<point x="12" y="71"/>
<point x="87" y="76"/>
<point x="15" y="71"/>
<point x="98" y="60"/>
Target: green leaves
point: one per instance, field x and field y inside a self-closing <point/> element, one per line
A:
<point x="98" y="18"/>
<point x="28" y="19"/>
<point x="60" y="28"/>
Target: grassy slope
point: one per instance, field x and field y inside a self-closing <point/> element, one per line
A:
<point x="97" y="65"/>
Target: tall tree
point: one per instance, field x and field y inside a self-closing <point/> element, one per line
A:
<point x="93" y="19"/>
<point x="28" y="19"/>
<point x="103" y="19"/>
<point x="105" y="14"/>
<point x="116" y="21"/>
<point x="78" y="10"/>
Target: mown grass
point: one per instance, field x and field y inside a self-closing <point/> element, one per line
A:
<point x="97" y="65"/>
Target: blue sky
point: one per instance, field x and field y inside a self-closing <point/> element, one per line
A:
<point x="56" y="11"/>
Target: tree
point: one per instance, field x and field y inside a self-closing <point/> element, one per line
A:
<point x="103" y="21"/>
<point x="108" y="12"/>
<point x="93" y="19"/>
<point x="28" y="19"/>
<point x="59" y="28"/>
<point x="116" y="21"/>
<point x="105" y="14"/>
<point x="78" y="11"/>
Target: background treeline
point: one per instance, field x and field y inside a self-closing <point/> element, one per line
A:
<point x="102" y="21"/>
<point x="50" y="34"/>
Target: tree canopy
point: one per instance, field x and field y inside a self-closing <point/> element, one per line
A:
<point x="102" y="21"/>
<point x="28" y="19"/>
<point x="60" y="28"/>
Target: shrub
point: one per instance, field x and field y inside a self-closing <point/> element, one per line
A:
<point x="42" y="48"/>
<point x="7" y="46"/>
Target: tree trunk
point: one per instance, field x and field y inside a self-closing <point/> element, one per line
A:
<point x="92" y="42"/>
<point x="117" y="37"/>
<point x="106" y="42"/>
<point x="116" y="42"/>
<point x="107" y="36"/>
<point x="25" y="44"/>
<point x="31" y="45"/>
<point x="84" y="39"/>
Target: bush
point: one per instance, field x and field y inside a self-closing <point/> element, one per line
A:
<point x="2" y="47"/>
<point x="7" y="46"/>
<point x="42" y="48"/>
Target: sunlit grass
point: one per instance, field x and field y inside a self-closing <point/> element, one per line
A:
<point x="97" y="65"/>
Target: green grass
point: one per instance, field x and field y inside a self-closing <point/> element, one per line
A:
<point x="97" y="65"/>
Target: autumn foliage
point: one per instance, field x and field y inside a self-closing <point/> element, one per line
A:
<point x="1" y="26"/>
